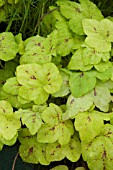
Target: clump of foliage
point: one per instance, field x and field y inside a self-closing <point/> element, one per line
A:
<point x="56" y="89"/>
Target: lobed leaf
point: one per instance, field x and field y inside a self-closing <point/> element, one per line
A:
<point x="64" y="89"/>
<point x="65" y="131"/>
<point x="31" y="119"/>
<point x="81" y="83"/>
<point x="73" y="149"/>
<point x="52" y="115"/>
<point x="54" y="152"/>
<point x="11" y="86"/>
<point x="100" y="99"/>
<point x="29" y="151"/>
<point x="98" y="152"/>
<point x="89" y="125"/>
<point x="8" y="46"/>
<point x="76" y="62"/>
<point x="5" y="108"/>
<point x="48" y="134"/>
<point x="65" y="39"/>
<point x="75" y="105"/>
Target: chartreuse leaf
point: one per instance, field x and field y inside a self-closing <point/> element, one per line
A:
<point x="54" y="128"/>
<point x="52" y="115"/>
<point x="91" y="27"/>
<point x="60" y="167"/>
<point x="24" y="135"/>
<point x="11" y="86"/>
<point x="104" y="76"/>
<point x="75" y="105"/>
<point x="54" y="152"/>
<point x="100" y="99"/>
<point x="56" y="14"/>
<point x="99" y="34"/>
<point x="73" y="149"/>
<point x="30" y="74"/>
<point x="90" y="56"/>
<point x="77" y="12"/>
<point x="65" y="132"/>
<point x="22" y="100"/>
<point x="42" y="154"/>
<point x="103" y="66"/>
<point x="98" y="43"/>
<point x="8" y="46"/>
<point x="14" y="100"/>
<point x="48" y="134"/>
<point x="106" y="27"/>
<point x="33" y="42"/>
<point x="61" y="132"/>
<point x="39" y="108"/>
<point x="30" y="150"/>
<point x="81" y="83"/>
<point x="53" y="79"/>
<point x="109" y="85"/>
<point x="98" y="152"/>
<point x="38" y="81"/>
<point x="52" y="40"/>
<point x="38" y="95"/>
<point x="20" y="42"/>
<point x="69" y="9"/>
<point x="75" y="24"/>
<point x="65" y="39"/>
<point x="31" y="119"/>
<point x="65" y="88"/>
<point x="5" y="108"/>
<point x="78" y="41"/>
<point x="76" y="62"/>
<point x="9" y="124"/>
<point x="90" y="10"/>
<point x="89" y="125"/>
<point x="36" y="51"/>
<point x="35" y="55"/>
<point x="9" y="142"/>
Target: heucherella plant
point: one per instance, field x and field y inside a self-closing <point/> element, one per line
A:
<point x="56" y="90"/>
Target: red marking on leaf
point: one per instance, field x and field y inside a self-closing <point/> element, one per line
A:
<point x="95" y="92"/>
<point x="33" y="77"/>
<point x="58" y="146"/>
<point x="89" y="119"/>
<point x="66" y="39"/>
<point x="30" y="150"/>
<point x="72" y="101"/>
<point x="81" y="75"/>
<point x="104" y="155"/>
